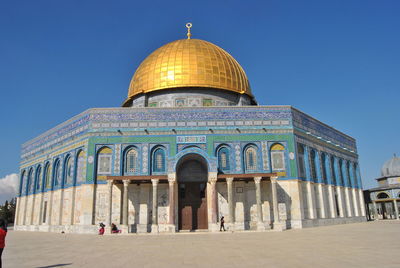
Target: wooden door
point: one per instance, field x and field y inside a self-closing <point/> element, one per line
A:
<point x="186" y="216"/>
<point x="202" y="221"/>
<point x="192" y="206"/>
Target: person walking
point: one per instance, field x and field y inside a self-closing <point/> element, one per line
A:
<point x="222" y="226"/>
<point x="3" y="233"/>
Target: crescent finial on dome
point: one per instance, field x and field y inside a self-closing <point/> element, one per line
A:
<point x="188" y="26"/>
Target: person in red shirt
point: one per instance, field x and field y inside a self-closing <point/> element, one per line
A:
<point x="3" y="233"/>
<point x="101" y="230"/>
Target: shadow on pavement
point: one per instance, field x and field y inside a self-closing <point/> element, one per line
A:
<point x="55" y="265"/>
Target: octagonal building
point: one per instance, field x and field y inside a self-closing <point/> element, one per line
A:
<point x="188" y="146"/>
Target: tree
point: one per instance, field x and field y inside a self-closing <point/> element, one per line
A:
<point x="7" y="211"/>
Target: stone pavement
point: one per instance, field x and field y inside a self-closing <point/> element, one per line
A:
<point x="370" y="244"/>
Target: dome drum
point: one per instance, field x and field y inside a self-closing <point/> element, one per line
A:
<point x="189" y="97"/>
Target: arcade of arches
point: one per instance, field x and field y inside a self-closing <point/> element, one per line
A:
<point x="193" y="199"/>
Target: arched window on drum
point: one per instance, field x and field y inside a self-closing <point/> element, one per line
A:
<point x="22" y="185"/>
<point x="104" y="160"/>
<point x="39" y="178"/>
<point x="300" y="160"/>
<point x="348" y="175"/>
<point x="158" y="162"/>
<point x="80" y="167"/>
<point x="68" y="171"/>
<point x="56" y="173"/>
<point x="47" y="176"/>
<point x="31" y="182"/>
<point x="341" y="174"/>
<point x="382" y="196"/>
<point x="250" y="158"/>
<point x="313" y="165"/>
<point x="324" y="169"/>
<point x="131" y="161"/>
<point x="223" y="159"/>
<point x="355" y="175"/>
<point x="278" y="157"/>
<point x="333" y="170"/>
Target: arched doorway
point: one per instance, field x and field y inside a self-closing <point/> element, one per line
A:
<point x="192" y="175"/>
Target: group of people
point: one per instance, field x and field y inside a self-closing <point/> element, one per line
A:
<point x="114" y="229"/>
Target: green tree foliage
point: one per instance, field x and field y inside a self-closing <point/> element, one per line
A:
<point x="7" y="211"/>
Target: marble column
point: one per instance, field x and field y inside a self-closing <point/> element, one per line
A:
<point x="110" y="184"/>
<point x="231" y="216"/>
<point x="332" y="205"/>
<point x="125" y="199"/>
<point x="33" y="207"/>
<point x="25" y="209"/>
<point x="16" y="222"/>
<point x="396" y="209"/>
<point x="355" y="203"/>
<point x="72" y="213"/>
<point x="60" y="207"/>
<point x="376" y="217"/>
<point x="322" y="201"/>
<point x="39" y="221"/>
<point x="50" y="213"/>
<point x="277" y="225"/>
<point x="154" y="219"/>
<point x="214" y="200"/>
<point x="340" y="201"/>
<point x="260" y="224"/>
<point x="348" y="205"/>
<point x="361" y="200"/>
<point x="171" y="219"/>
<point x="311" y="200"/>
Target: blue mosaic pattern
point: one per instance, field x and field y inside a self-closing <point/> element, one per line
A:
<point x="315" y="127"/>
<point x="268" y="117"/>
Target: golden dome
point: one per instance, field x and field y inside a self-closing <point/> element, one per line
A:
<point x="189" y="63"/>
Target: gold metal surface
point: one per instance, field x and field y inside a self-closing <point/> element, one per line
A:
<point x="189" y="63"/>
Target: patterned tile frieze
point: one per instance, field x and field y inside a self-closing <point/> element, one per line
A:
<point x="192" y="124"/>
<point x="133" y="117"/>
<point x="315" y="127"/>
<point x="54" y="152"/>
<point x="158" y="121"/>
<point x="325" y="149"/>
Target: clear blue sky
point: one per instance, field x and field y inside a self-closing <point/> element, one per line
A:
<point x="338" y="61"/>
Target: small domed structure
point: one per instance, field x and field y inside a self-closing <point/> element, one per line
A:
<point x="391" y="168"/>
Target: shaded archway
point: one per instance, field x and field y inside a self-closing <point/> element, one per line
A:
<point x="192" y="175"/>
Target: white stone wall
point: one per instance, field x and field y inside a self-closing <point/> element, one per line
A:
<point x="293" y="207"/>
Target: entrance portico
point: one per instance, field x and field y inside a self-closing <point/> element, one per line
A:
<point x="195" y="201"/>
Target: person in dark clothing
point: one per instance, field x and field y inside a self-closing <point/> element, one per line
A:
<point x="222" y="224"/>
<point x="3" y="233"/>
<point x="114" y="229"/>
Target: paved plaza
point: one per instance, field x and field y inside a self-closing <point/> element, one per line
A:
<point x="370" y="244"/>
